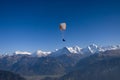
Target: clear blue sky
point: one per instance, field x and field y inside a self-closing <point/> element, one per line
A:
<point x="29" y="25"/>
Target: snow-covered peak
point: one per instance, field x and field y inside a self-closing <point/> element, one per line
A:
<point x="59" y="52"/>
<point x="75" y="49"/>
<point x="114" y="47"/>
<point x="67" y="51"/>
<point x="22" y="53"/>
<point x="93" y="48"/>
<point x="40" y="53"/>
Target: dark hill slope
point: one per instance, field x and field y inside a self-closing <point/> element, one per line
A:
<point x="6" y="75"/>
<point x="102" y="66"/>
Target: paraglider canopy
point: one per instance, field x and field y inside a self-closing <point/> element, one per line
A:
<point x="62" y="29"/>
<point x="63" y="26"/>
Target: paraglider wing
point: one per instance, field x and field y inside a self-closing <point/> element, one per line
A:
<point x="63" y="26"/>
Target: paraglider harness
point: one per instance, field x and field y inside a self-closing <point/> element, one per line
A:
<point x="63" y="40"/>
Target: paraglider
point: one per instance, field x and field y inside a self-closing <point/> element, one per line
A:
<point x="62" y="29"/>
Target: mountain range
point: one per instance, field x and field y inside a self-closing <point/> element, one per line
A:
<point x="70" y="61"/>
<point x="91" y="49"/>
<point x="102" y="66"/>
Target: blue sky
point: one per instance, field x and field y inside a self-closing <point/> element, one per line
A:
<point x="29" y="25"/>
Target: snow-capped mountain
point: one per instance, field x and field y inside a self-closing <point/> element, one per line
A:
<point x="114" y="47"/>
<point x="22" y="53"/>
<point x="60" y="52"/>
<point x="40" y="53"/>
<point x="92" y="49"/>
<point x="60" y="60"/>
<point x="75" y="50"/>
<point x="89" y="50"/>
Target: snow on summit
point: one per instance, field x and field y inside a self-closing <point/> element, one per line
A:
<point x="40" y="53"/>
<point x="22" y="52"/>
<point x="91" y="49"/>
<point x="75" y="49"/>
